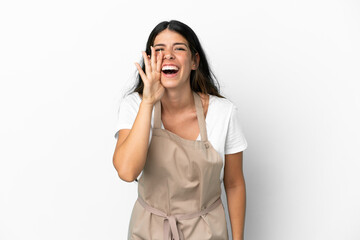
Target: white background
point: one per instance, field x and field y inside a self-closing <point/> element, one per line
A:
<point x="292" y="68"/>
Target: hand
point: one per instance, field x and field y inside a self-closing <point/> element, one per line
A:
<point x="153" y="89"/>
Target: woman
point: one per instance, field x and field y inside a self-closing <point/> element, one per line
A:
<point x="162" y="135"/>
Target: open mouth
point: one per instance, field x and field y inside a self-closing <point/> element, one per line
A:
<point x="170" y="71"/>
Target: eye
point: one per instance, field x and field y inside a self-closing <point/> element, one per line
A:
<point x="180" y="49"/>
<point x="159" y="49"/>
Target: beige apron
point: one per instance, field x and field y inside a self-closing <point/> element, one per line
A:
<point x="179" y="189"/>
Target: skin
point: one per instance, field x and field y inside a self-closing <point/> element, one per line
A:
<point x="178" y="115"/>
<point x="234" y="184"/>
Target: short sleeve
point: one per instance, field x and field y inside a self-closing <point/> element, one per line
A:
<point x="235" y="138"/>
<point x="126" y="114"/>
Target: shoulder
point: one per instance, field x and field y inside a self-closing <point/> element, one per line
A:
<point x="219" y="112"/>
<point x="129" y="104"/>
<point x="132" y="99"/>
<point x="221" y="104"/>
<point x="212" y="99"/>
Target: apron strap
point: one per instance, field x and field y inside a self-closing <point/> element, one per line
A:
<point x="199" y="113"/>
<point x="200" y="116"/>
<point x="157" y="115"/>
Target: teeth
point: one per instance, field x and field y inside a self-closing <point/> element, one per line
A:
<point x="170" y="68"/>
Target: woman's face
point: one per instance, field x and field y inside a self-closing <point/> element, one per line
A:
<point x="177" y="62"/>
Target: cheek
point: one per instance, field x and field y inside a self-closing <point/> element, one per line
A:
<point x="186" y="61"/>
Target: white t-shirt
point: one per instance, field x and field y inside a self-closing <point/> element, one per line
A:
<point x="222" y="124"/>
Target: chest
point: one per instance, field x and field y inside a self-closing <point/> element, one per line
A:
<point x="185" y="126"/>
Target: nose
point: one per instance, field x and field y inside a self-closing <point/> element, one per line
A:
<point x="168" y="55"/>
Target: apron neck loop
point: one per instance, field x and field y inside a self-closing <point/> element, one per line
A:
<point x="199" y="113"/>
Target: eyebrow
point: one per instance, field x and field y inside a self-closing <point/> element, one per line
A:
<point x="161" y="44"/>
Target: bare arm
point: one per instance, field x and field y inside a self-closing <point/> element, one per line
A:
<point x="132" y="145"/>
<point x="234" y="184"/>
<point x="131" y="149"/>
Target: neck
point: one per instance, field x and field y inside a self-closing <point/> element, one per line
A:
<point x="175" y="101"/>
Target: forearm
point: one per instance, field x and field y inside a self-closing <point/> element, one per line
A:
<point x="131" y="155"/>
<point x="236" y="200"/>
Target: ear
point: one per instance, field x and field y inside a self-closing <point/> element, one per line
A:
<point x="195" y="62"/>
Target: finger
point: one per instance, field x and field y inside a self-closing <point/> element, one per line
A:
<point x="153" y="58"/>
<point x="147" y="63"/>
<point x="141" y="72"/>
<point x="159" y="62"/>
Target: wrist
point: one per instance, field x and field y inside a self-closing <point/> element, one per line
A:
<point x="146" y="103"/>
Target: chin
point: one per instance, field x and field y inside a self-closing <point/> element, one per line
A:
<point x="169" y="83"/>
